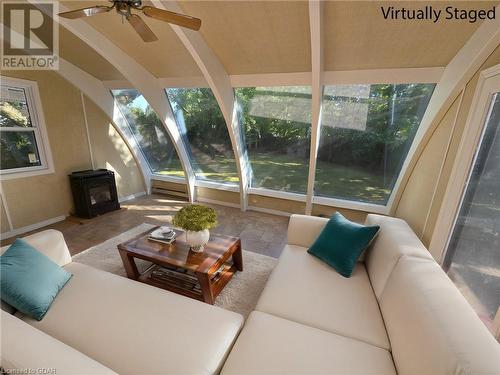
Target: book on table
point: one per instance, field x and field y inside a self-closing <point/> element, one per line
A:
<point x="164" y="235"/>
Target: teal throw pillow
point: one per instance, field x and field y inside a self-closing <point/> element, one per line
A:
<point x="29" y="280"/>
<point x="341" y="243"/>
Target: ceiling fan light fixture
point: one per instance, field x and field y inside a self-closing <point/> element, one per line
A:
<point x="124" y="8"/>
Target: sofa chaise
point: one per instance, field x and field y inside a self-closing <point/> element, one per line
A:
<point x="398" y="313"/>
<point x="112" y="324"/>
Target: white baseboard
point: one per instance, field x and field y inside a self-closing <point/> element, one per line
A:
<point x="131" y="196"/>
<point x="29" y="228"/>
<point x="270" y="211"/>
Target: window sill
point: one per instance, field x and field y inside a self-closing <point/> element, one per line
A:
<point x="162" y="177"/>
<point x="325" y="201"/>
<point x="198" y="183"/>
<point x="32" y="172"/>
<point x="217" y="185"/>
<point x="351" y="205"/>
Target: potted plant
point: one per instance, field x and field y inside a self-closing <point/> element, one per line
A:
<point x="196" y="220"/>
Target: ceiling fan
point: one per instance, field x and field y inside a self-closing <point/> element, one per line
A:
<point x="125" y="7"/>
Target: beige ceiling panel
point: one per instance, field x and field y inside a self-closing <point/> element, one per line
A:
<point x="166" y="57"/>
<point x="358" y="37"/>
<point x="77" y="52"/>
<point x="254" y="37"/>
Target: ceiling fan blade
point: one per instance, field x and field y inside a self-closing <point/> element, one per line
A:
<point x="142" y="29"/>
<point x="172" y="17"/>
<point x="85" y="12"/>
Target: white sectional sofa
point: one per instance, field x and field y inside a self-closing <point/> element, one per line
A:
<point x="108" y="323"/>
<point x="398" y="313"/>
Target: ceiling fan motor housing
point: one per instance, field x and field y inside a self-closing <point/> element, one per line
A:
<point x="131" y="3"/>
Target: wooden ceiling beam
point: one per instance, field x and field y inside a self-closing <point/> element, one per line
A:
<point x="317" y="57"/>
<point x="220" y="84"/>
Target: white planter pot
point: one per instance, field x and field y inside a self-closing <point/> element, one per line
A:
<point x="197" y="240"/>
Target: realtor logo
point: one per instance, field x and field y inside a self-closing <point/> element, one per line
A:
<point x="30" y="36"/>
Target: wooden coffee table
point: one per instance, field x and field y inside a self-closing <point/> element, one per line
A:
<point x="176" y="268"/>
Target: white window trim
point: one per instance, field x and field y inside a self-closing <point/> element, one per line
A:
<point x="489" y="81"/>
<point x="167" y="178"/>
<point x="343" y="77"/>
<point x="216" y="185"/>
<point x="39" y="128"/>
<point x="408" y="76"/>
<point x="198" y="182"/>
<point x="381" y="209"/>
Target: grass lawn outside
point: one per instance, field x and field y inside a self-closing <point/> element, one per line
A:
<point x="288" y="173"/>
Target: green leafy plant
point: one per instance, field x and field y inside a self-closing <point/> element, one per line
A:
<point x="195" y="218"/>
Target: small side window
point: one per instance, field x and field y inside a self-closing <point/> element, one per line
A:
<point x="24" y="145"/>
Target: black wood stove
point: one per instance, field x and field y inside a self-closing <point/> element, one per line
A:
<point x="94" y="192"/>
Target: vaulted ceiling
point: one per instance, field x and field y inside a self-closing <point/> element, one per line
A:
<point x="358" y="37"/>
<point x="256" y="37"/>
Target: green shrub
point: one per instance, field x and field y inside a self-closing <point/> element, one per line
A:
<point x="195" y="218"/>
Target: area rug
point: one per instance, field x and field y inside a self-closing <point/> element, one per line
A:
<point x="240" y="295"/>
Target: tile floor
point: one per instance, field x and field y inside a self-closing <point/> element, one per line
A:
<point x="259" y="232"/>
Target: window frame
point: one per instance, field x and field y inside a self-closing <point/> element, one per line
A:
<point x="264" y="191"/>
<point x="403" y="76"/>
<point x="38" y="128"/>
<point x="378" y="208"/>
<point x="175" y="179"/>
<point x="463" y="166"/>
<point x="200" y="182"/>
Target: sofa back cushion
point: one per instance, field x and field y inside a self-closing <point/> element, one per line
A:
<point x="431" y="327"/>
<point x="303" y="230"/>
<point x="49" y="242"/>
<point x="395" y="239"/>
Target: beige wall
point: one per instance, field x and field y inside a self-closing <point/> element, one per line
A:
<point x="110" y="151"/>
<point x="276" y="204"/>
<point x="230" y="197"/>
<point x="4" y="224"/>
<point x="423" y="194"/>
<point x="31" y="200"/>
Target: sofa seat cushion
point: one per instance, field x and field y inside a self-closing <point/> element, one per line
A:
<point x="271" y="345"/>
<point x="25" y="347"/>
<point x="134" y="328"/>
<point x="304" y="289"/>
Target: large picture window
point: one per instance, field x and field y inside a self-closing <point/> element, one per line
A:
<point x="149" y="133"/>
<point x="277" y="127"/>
<point x="24" y="145"/>
<point x="204" y="129"/>
<point x="366" y="133"/>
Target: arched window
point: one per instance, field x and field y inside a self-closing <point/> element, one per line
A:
<point x="149" y="132"/>
<point x="204" y="130"/>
